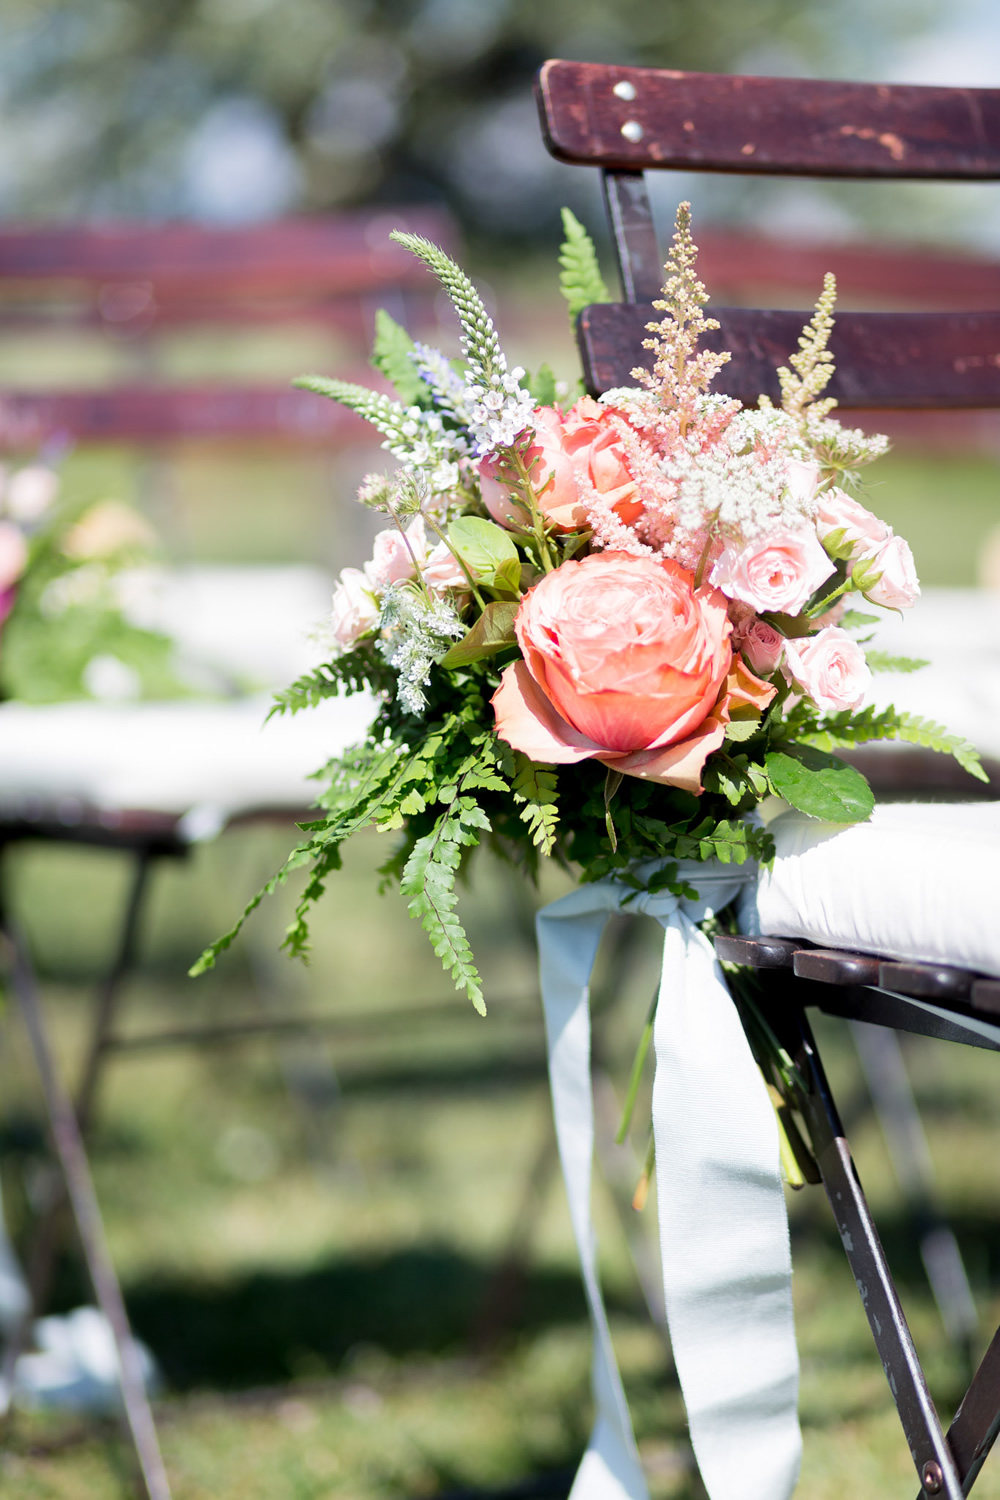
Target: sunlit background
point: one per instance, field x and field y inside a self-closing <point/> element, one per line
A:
<point x="349" y="1251"/>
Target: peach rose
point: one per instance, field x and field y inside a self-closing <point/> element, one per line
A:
<point x="864" y="532"/>
<point x="898" y="587"/>
<point x="623" y="663"/>
<point x="830" y="668"/>
<point x="777" y="573"/>
<point x="583" y="445"/>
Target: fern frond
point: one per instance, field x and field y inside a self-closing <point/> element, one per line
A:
<point x="392" y="353"/>
<point x="354" y="672"/>
<point x="580" y="279"/>
<point x="890" y="724"/>
<point x="536" y="787"/>
<point x="429" y="880"/>
<point x="883" y="661"/>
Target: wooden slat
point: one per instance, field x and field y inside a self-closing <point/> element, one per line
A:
<point x="150" y="413"/>
<point x="904" y="360"/>
<point x="722" y="123"/>
<point x="341" y="253"/>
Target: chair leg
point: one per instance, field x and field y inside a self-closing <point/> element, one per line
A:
<point x="45" y="1241"/>
<point x="882" y="1063"/>
<point x="935" y="1464"/>
<point x="72" y="1157"/>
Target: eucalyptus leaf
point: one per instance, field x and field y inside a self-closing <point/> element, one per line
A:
<point x="491" y="633"/>
<point x="820" y="785"/>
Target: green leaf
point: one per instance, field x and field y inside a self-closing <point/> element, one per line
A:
<point x="487" y="551"/>
<point x="820" y="785"/>
<point x="853" y="619"/>
<point x="881" y="661"/>
<point x="542" y="386"/>
<point x="580" y="279"/>
<point x="742" y="729"/>
<point x="491" y="633"/>
<point x="391" y="355"/>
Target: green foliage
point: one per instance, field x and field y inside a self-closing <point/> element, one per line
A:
<point x="391" y="356"/>
<point x="890" y="724"/>
<point x="536" y="787"/>
<point x="882" y="661"/>
<point x="386" y="415"/>
<point x="819" y="784"/>
<point x="542" y="386"/>
<point x="492" y="632"/>
<point x="351" y="673"/>
<point x="580" y="279"/>
<point x="479" y="337"/>
<point x="488" y="552"/>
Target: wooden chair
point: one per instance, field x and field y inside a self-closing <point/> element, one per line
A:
<point x="625" y="121"/>
<point x="133" y="283"/>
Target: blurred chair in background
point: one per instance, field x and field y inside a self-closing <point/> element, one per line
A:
<point x="152" y="779"/>
<point x="627" y="120"/>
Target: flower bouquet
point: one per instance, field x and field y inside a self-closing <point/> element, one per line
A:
<point x="63" y="633"/>
<point x="605" y="631"/>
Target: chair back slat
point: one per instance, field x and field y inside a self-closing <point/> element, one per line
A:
<point x="907" y="361"/>
<point x="627" y="119"/>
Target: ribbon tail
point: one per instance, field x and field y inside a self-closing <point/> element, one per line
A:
<point x="723" y="1232"/>
<point x="568" y="937"/>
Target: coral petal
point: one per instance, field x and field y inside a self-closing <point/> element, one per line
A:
<point x="677" y="765"/>
<point x="527" y="721"/>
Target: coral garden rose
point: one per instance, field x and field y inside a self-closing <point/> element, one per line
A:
<point x="572" y="456"/>
<point x="777" y="573"/>
<point x="898" y="587"/>
<point x="862" y="532"/>
<point x="625" y="663"/>
<point x="830" y="668"/>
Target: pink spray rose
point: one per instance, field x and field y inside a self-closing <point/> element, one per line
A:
<point x="13" y="554"/>
<point x="355" y="611"/>
<point x="392" y="560"/>
<point x="775" y="573"/>
<point x="763" y="647"/>
<point x="898" y="587"/>
<point x="625" y="663"/>
<point x="830" y="668"/>
<point x="584" y="446"/>
<point x="863" y="532"/>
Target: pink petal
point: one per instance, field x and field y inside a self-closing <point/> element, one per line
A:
<point x="527" y="721"/>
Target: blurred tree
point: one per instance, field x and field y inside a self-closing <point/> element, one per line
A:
<point x="233" y="109"/>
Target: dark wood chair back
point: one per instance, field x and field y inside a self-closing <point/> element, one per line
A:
<point x="626" y="121"/>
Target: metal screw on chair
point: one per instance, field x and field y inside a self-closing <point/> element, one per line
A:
<point x="932" y="1478"/>
<point x="624" y="89"/>
<point x="632" y="131"/>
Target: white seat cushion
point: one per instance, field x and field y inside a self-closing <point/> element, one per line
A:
<point x="918" y="882"/>
<point x="172" y="757"/>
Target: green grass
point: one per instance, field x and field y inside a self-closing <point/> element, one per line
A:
<point x="321" y="1287"/>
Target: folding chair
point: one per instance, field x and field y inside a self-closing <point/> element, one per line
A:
<point x="624" y="121"/>
<point x="134" y="282"/>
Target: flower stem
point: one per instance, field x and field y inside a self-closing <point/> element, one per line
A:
<point x="641" y="1053"/>
<point x="642" y="1186"/>
<point x="459" y="559"/>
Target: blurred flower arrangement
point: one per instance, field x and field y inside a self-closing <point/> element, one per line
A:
<point x="63" y="633"/>
<point x="601" y="631"/>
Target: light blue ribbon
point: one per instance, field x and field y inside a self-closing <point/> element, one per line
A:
<point x="723" y="1225"/>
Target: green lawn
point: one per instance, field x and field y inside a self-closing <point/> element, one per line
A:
<point x="310" y="1235"/>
